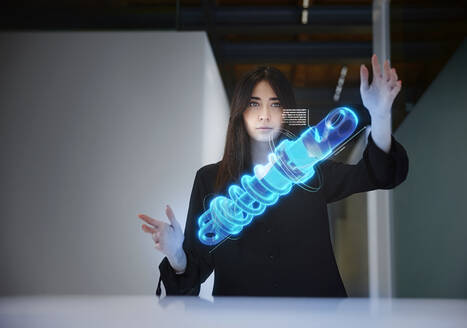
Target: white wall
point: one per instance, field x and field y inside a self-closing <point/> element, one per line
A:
<point x="95" y="128"/>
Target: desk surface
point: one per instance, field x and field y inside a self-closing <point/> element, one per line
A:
<point x="239" y="312"/>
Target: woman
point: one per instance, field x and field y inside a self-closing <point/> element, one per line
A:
<point x="286" y="251"/>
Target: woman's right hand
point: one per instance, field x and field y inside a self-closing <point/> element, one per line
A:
<point x="168" y="238"/>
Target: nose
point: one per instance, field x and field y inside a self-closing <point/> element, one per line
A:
<point x="264" y="114"/>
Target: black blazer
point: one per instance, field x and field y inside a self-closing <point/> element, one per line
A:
<point x="287" y="250"/>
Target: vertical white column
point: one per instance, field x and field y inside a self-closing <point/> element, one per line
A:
<point x="379" y="202"/>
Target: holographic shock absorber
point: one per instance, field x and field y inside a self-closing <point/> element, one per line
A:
<point x="291" y="163"/>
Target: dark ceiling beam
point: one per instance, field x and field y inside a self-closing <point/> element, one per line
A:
<point x="54" y="19"/>
<point x="229" y="18"/>
<point x="460" y="27"/>
<point x="281" y="15"/>
<point x="292" y="29"/>
<point x="290" y="52"/>
<point x="330" y="15"/>
<point x="446" y="27"/>
<point x="320" y="52"/>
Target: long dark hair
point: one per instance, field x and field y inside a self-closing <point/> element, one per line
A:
<point x="237" y="150"/>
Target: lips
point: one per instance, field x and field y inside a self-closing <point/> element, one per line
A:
<point x="264" y="128"/>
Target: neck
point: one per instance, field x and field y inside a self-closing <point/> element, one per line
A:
<point x="259" y="152"/>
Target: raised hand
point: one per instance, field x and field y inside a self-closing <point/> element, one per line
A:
<point x="379" y="96"/>
<point x="168" y="238"/>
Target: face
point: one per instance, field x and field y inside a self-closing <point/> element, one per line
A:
<point x="263" y="116"/>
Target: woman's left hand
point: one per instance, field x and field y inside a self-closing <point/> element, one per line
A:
<point x="379" y="96"/>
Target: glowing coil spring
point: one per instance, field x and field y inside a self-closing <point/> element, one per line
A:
<point x="292" y="162"/>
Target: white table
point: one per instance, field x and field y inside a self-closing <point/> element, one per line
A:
<point x="239" y="312"/>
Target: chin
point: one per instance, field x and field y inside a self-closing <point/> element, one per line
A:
<point x="265" y="138"/>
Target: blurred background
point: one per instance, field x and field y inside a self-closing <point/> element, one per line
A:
<point x="108" y="108"/>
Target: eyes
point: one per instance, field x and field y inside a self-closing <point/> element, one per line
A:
<point x="256" y="104"/>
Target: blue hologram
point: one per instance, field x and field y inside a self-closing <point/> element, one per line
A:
<point x="292" y="162"/>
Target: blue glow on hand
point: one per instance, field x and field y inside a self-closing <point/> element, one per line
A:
<point x="291" y="163"/>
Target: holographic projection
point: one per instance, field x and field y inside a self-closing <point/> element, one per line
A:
<point x="292" y="162"/>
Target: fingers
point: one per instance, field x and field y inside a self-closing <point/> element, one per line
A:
<point x="394" y="74"/>
<point x="394" y="91"/>
<point x="397" y="83"/>
<point x="393" y="82"/>
<point x="363" y="77"/>
<point x="170" y="214"/>
<point x="148" y="229"/>
<point x="388" y="75"/>
<point x="387" y="71"/>
<point x="155" y="234"/>
<point x="376" y="67"/>
<point x="156" y="223"/>
<point x="158" y="229"/>
<point x="392" y="78"/>
<point x="385" y="74"/>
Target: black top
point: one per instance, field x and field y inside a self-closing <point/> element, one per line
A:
<point x="287" y="250"/>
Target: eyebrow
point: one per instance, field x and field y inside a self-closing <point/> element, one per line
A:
<point x="258" y="98"/>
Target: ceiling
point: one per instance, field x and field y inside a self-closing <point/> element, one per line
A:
<point x="244" y="34"/>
